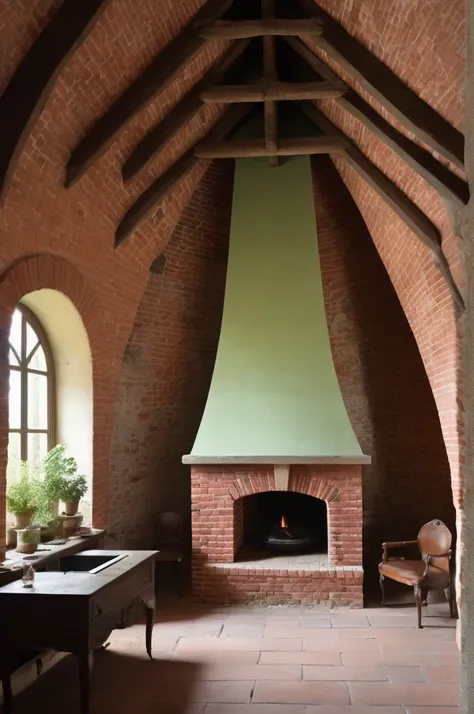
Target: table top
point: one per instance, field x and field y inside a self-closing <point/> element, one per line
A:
<point x="80" y="583"/>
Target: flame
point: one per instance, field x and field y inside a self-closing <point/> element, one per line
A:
<point x="283" y="523"/>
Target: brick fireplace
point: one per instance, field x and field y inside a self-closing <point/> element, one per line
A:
<point x="224" y="570"/>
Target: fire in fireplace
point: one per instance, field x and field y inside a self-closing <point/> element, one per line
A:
<point x="285" y="522"/>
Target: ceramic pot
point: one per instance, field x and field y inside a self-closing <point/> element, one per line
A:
<point x="28" y="540"/>
<point x="11" y="537"/>
<point x="23" y="520"/>
<point x="71" y="508"/>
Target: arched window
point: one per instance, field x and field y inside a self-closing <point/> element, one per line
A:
<point x="31" y="402"/>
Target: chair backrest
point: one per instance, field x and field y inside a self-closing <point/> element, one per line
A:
<point x="170" y="527"/>
<point x="433" y="538"/>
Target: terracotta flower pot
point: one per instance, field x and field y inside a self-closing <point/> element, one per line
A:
<point x="71" y="508"/>
<point x="28" y="540"/>
<point x="23" y="520"/>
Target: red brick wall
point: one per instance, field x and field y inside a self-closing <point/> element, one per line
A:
<point x="382" y="378"/>
<point x="168" y="365"/>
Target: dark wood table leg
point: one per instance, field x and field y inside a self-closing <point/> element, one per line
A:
<point x="7" y="693"/>
<point x="85" y="672"/>
<point x="150" y="607"/>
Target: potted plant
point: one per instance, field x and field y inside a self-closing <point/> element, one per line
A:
<point x="72" y="490"/>
<point x="56" y="468"/>
<point x="22" y="496"/>
<point x="28" y="539"/>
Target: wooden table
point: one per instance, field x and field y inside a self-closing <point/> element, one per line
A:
<point x="75" y="611"/>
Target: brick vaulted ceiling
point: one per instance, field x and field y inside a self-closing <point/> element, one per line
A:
<point x="148" y="118"/>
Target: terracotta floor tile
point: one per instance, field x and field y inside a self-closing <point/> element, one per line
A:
<point x="318" y="623"/>
<point x="283" y="631"/>
<point x="349" y="645"/>
<point x="353" y="710"/>
<point x="449" y="658"/>
<point x="247" y="630"/>
<point x="402" y="673"/>
<point x="237" y="692"/>
<point x="350" y="621"/>
<point x="329" y="658"/>
<point x="238" y="643"/>
<point x="444" y="673"/>
<point x="256" y="709"/>
<point x="238" y="672"/>
<point x="432" y="710"/>
<point x="343" y="674"/>
<point x="374" y="693"/>
<point x="301" y="693"/>
<point x="220" y="656"/>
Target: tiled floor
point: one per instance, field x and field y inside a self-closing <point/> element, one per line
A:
<point x="268" y="661"/>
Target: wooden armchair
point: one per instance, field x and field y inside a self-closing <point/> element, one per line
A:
<point x="432" y="572"/>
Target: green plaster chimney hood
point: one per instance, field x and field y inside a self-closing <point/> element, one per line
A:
<point x="274" y="396"/>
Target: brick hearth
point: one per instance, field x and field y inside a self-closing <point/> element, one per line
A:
<point x="217" y="493"/>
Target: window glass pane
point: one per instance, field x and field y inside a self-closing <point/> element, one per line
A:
<point x="12" y="358"/>
<point x="14" y="458"/>
<point x="37" y="401"/>
<point x="38" y="361"/>
<point x="15" y="331"/>
<point x="37" y="447"/>
<point x="31" y="339"/>
<point x="15" y="400"/>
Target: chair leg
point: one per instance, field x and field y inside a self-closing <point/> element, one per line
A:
<point x="452" y="608"/>
<point x="424" y="596"/>
<point x="419" y="605"/>
<point x="382" y="587"/>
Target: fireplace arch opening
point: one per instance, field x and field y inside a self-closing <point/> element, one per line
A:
<point x="283" y="524"/>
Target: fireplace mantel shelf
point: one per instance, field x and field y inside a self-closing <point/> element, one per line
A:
<point x="275" y="460"/>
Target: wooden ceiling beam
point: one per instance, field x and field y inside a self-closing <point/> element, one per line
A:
<point x="267" y="27"/>
<point x="148" y="201"/>
<point x="449" y="186"/>
<point x="391" y="92"/>
<point x="408" y="211"/>
<point x="302" y="146"/>
<point x="27" y="92"/>
<point x="182" y="112"/>
<point x="275" y="91"/>
<point x="156" y="77"/>
<point x="270" y="74"/>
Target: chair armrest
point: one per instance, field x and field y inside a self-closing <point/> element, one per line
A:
<point x="428" y="557"/>
<point x="395" y="544"/>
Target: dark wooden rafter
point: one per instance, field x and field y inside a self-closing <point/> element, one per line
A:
<point x="408" y="211"/>
<point x="275" y="91"/>
<point x="390" y="91"/>
<point x="156" y="77"/>
<point x="266" y="27"/>
<point x="270" y="74"/>
<point x="449" y="186"/>
<point x="258" y="147"/>
<point x="147" y="149"/>
<point x="148" y="201"/>
<point x="27" y="93"/>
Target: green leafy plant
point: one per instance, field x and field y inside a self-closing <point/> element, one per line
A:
<point x="57" y="467"/>
<point x="73" y="488"/>
<point x="24" y="495"/>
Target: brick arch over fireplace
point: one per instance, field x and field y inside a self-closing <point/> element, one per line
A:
<point x="217" y="505"/>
